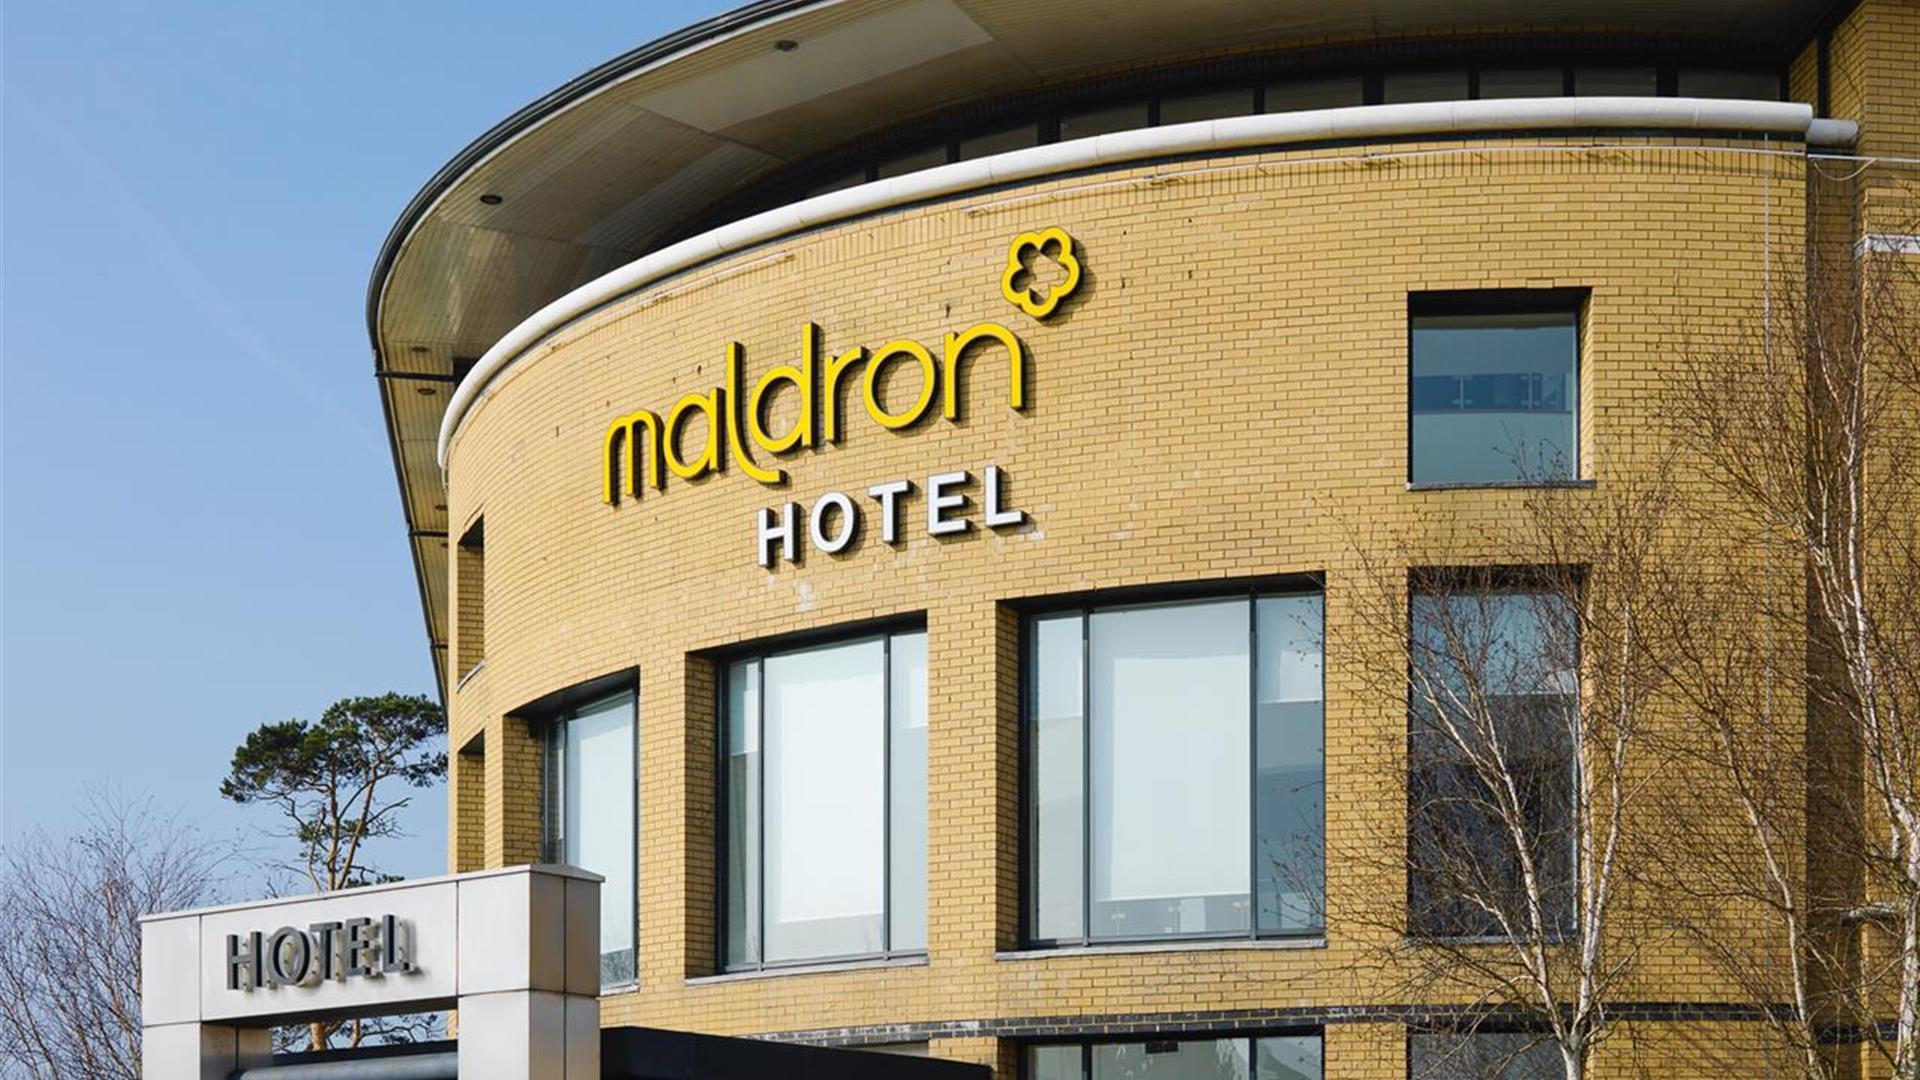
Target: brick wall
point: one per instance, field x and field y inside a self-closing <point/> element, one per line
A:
<point x="1225" y="396"/>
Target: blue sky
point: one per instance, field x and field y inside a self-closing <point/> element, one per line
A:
<point x="200" y="528"/>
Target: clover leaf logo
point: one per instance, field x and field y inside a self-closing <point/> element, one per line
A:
<point x="1016" y="284"/>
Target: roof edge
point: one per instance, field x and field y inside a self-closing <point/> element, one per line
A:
<point x="1518" y="115"/>
<point x="531" y="115"/>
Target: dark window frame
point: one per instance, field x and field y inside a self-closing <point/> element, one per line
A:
<point x="1087" y="1043"/>
<point x="1555" y="300"/>
<point x="757" y="652"/>
<point x="1086" y="603"/>
<point x="1471" y="1030"/>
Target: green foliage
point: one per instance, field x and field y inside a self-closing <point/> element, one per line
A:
<point x="341" y="780"/>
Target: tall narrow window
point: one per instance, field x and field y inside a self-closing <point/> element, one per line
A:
<point x="1175" y="762"/>
<point x="1265" y="1057"/>
<point x="592" y="801"/>
<point x="826" y="802"/>
<point x="470" y="580"/>
<point x="1491" y="721"/>
<point x="1494" y="389"/>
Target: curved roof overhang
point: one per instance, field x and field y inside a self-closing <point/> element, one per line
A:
<point x="609" y="166"/>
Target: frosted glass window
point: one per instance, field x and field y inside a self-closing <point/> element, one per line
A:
<point x="1058" y="758"/>
<point x="1276" y="1057"/>
<point x="1484" y="1055"/>
<point x="592" y="801"/>
<point x="1175" y="760"/>
<point x="1494" y="396"/>
<point x="907" y="790"/>
<point x="1522" y="82"/>
<point x="1405" y="86"/>
<point x="826" y="802"/>
<point x="1168" y="793"/>
<point x="1299" y="94"/>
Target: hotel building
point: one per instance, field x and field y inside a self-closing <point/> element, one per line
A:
<point x="890" y="480"/>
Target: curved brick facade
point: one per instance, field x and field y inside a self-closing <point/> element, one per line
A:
<point x="1223" y="397"/>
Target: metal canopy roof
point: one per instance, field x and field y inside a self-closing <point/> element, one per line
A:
<point x="597" y="172"/>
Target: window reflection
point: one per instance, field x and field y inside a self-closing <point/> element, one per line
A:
<point x="1489" y="666"/>
<point x="1273" y="1057"/>
<point x="1494" y="395"/>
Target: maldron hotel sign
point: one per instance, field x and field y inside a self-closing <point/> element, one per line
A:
<point x="643" y="448"/>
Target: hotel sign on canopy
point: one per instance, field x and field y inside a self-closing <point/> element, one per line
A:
<point x="641" y="449"/>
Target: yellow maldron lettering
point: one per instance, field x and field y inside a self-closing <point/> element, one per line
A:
<point x="643" y="437"/>
<point x="640" y="447"/>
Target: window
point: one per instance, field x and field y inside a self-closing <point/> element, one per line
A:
<point x="1493" y="673"/>
<point x="1334" y="93"/>
<point x="825" y="796"/>
<point x="1482" y="1055"/>
<point x="1267" y="1057"/>
<point x="592" y="799"/>
<point x="470" y="614"/>
<point x="1189" y="107"/>
<point x="1175" y="768"/>
<point x="1716" y="83"/>
<point x="1494" y="394"/>
<point x="1405" y="86"/>
<point x="925" y="158"/>
<point x="999" y="142"/>
<point x="1081" y="125"/>
<point x="1616" y="81"/>
<point x="1522" y="82"/>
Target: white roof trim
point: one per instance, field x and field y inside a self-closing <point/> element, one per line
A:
<point x="1785" y="118"/>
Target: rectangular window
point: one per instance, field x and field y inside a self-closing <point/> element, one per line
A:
<point x="1616" y="81"/>
<point x="1191" y="107"/>
<point x="470" y="614"/>
<point x="999" y="142"/>
<point x="1493" y="396"/>
<point x="925" y="158"/>
<point x="592" y="799"/>
<point x="1482" y="1055"/>
<point x="1082" y="125"/>
<point x="1522" y="82"/>
<point x="1174" y="770"/>
<point x="1302" y="94"/>
<point x="1266" y="1057"/>
<point x="1407" y="86"/>
<point x="825" y="795"/>
<point x="1719" y="83"/>
<point x="1494" y="680"/>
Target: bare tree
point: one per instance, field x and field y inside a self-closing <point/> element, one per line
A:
<point x="70" y="957"/>
<point x="1806" y="426"/>
<point x="1529" y="681"/>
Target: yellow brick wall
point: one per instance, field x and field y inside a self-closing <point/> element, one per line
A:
<point x="1224" y="394"/>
